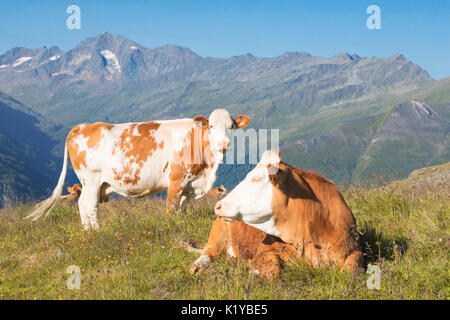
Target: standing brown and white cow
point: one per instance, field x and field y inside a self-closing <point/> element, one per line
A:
<point x="279" y="213"/>
<point x="137" y="159"/>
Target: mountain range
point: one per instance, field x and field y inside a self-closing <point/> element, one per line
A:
<point x="347" y="117"/>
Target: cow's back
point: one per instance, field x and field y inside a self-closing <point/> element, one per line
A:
<point x="329" y="196"/>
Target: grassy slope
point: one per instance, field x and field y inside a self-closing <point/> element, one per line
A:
<point x="135" y="254"/>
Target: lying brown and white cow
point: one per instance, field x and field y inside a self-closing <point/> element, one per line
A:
<point x="279" y="213"/>
<point x="137" y="159"/>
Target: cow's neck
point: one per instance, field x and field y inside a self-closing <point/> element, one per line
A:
<point x="212" y="160"/>
<point x="295" y="207"/>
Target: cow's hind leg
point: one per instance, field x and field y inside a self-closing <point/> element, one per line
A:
<point x="267" y="263"/>
<point x="88" y="205"/>
<point x="354" y="261"/>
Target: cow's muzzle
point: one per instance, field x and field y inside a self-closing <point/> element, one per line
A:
<point x="220" y="213"/>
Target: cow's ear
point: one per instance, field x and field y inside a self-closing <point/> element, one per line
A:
<point x="279" y="177"/>
<point x="201" y="121"/>
<point x="241" y="121"/>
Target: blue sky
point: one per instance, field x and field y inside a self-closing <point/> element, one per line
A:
<point x="418" y="29"/>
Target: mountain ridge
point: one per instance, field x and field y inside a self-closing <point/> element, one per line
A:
<point x="328" y="110"/>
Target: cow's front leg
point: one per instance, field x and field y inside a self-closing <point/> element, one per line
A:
<point x="178" y="179"/>
<point x="174" y="194"/>
<point x="217" y="241"/>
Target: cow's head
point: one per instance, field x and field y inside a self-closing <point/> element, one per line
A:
<point x="218" y="125"/>
<point x="251" y="200"/>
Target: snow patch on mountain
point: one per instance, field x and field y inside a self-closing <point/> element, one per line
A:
<point x="20" y="61"/>
<point x="54" y="58"/>
<point x="113" y="63"/>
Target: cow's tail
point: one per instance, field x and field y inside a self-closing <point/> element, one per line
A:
<point x="45" y="206"/>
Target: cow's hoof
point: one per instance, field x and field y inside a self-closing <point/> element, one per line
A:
<point x="199" y="265"/>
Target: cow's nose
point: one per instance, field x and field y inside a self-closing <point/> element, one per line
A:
<point x="218" y="208"/>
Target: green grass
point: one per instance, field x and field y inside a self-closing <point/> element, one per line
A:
<point x="136" y="253"/>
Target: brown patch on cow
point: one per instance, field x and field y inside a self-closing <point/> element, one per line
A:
<point x="142" y="146"/>
<point x="133" y="180"/>
<point x="77" y="158"/>
<point x="137" y="149"/>
<point x="93" y="133"/>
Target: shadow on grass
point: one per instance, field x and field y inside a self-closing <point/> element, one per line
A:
<point x="376" y="247"/>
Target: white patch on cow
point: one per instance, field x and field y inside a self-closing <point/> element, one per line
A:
<point x="21" y="60"/>
<point x="81" y="141"/>
<point x="112" y="61"/>
<point x="178" y="137"/>
<point x="136" y="132"/>
<point x="230" y="251"/>
<point x="211" y="177"/>
<point x="53" y="58"/>
<point x="267" y="226"/>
